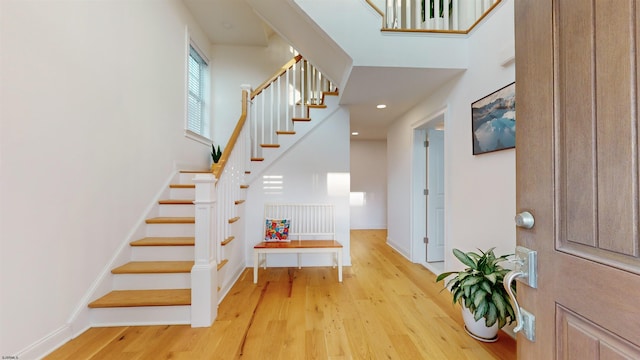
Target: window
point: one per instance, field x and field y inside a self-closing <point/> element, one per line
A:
<point x="197" y="96"/>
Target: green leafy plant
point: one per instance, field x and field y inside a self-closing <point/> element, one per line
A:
<point x="215" y="154"/>
<point x="432" y="9"/>
<point x="479" y="287"/>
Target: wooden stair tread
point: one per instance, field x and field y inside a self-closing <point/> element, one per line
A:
<point x="244" y="186"/>
<point x="284" y="132"/>
<point x="132" y="298"/>
<point x="164" y="241"/>
<point x="270" y="145"/>
<point x="182" y="186"/>
<point x="238" y="202"/>
<point x="195" y="171"/>
<point x="223" y="263"/>
<point x="171" y="220"/>
<point x="176" y="202"/>
<point x="301" y="119"/>
<point x="317" y="106"/>
<point x="227" y="240"/>
<point x="154" y="267"/>
<point x="234" y="219"/>
<point x="257" y="159"/>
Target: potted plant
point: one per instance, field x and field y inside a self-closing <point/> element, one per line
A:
<point x="480" y="292"/>
<point x="433" y="20"/>
<point x="215" y="156"/>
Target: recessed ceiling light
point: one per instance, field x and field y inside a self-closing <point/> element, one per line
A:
<point x="381" y="106"/>
<point x="355" y="133"/>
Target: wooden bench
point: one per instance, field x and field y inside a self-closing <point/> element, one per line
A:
<point x="312" y="230"/>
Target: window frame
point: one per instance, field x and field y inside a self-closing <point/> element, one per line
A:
<point x="205" y="135"/>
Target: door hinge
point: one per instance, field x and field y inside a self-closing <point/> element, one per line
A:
<point x="426" y="143"/>
<point x="426" y="240"/>
<point x="426" y="192"/>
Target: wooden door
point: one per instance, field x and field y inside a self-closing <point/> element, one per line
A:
<point x="577" y="173"/>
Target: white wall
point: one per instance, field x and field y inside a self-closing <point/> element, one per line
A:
<point x="368" y="176"/>
<point x="305" y="171"/>
<point x="232" y="66"/>
<point x="92" y="108"/>
<point x="480" y="190"/>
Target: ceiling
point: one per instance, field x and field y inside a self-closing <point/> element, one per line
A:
<point x="234" y="22"/>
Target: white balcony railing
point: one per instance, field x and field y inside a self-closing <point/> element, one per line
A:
<point x="445" y="15"/>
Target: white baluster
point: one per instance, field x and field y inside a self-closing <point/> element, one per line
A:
<point x="288" y="99"/>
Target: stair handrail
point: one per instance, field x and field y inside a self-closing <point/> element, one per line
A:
<point x="456" y="19"/>
<point x="276" y="75"/>
<point x="234" y="136"/>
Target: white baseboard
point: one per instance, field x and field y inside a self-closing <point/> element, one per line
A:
<point x="236" y="275"/>
<point x="46" y="345"/>
<point x="397" y="248"/>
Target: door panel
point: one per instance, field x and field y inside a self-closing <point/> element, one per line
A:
<point x="577" y="173"/>
<point x="597" y="184"/>
<point x="582" y="340"/>
<point x="435" y="199"/>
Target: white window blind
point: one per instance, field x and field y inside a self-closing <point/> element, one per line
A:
<point x="197" y="114"/>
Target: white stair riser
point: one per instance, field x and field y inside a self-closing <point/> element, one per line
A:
<point x="151" y="281"/>
<point x="170" y="230"/>
<point x="162" y="253"/>
<point x="182" y="193"/>
<point x="176" y="210"/>
<point x="145" y="315"/>
<point x="187" y="178"/>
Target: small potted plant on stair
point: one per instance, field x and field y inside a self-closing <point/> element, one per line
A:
<point x="479" y="290"/>
<point x="216" y="154"/>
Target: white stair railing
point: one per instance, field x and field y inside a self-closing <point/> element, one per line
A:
<point x="216" y="196"/>
<point x="445" y="15"/>
<point x="285" y="97"/>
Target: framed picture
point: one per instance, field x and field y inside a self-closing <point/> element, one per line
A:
<point x="493" y="121"/>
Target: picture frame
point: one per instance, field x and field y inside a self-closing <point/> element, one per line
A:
<point x="493" y="121"/>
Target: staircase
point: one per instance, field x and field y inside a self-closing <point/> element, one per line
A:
<point x="154" y="286"/>
<point x="177" y="258"/>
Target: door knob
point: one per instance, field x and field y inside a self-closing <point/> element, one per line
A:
<point x="525" y="220"/>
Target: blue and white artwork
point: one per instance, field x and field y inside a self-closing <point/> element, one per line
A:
<point x="494" y="121"/>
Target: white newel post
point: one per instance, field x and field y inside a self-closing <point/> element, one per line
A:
<point x="204" y="274"/>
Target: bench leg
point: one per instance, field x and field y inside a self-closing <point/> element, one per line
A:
<point x="339" y="254"/>
<point x="256" y="256"/>
<point x="299" y="261"/>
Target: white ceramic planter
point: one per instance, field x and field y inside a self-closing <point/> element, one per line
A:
<point x="478" y="329"/>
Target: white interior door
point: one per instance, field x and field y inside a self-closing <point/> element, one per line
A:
<point x="435" y="196"/>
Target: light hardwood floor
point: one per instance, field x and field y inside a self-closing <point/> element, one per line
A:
<point x="386" y="308"/>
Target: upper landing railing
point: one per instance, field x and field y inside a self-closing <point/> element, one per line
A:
<point x="449" y="16"/>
